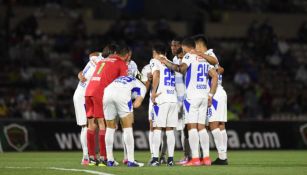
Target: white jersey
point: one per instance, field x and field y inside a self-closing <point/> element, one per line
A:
<point x="117" y="100"/>
<point x="146" y="69"/>
<point x="179" y="81"/>
<point x="78" y="98"/>
<point x="127" y="86"/>
<point x="220" y="77"/>
<point x="132" y="68"/>
<point x="89" y="70"/>
<point x="196" y="76"/>
<point x="166" y="84"/>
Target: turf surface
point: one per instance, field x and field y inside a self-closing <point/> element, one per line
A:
<point x="241" y="163"/>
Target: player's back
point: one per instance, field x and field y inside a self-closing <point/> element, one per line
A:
<point x="166" y="84"/>
<point x="196" y="77"/>
<point x="220" y="76"/>
<point x="90" y="67"/>
<point x="107" y="70"/>
<point x="127" y="86"/>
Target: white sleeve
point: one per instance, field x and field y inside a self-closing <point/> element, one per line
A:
<point x="146" y="69"/>
<point x="187" y="59"/>
<point x="211" y="53"/>
<point x="210" y="67"/>
<point x="155" y="65"/>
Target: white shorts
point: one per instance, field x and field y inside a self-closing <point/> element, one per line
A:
<point x="165" y="115"/>
<point x="150" y="111"/>
<point x="79" y="104"/>
<point x="116" y="104"/>
<point x="196" y="110"/>
<point x="218" y="109"/>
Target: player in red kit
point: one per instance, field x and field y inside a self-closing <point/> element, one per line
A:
<point x="106" y="71"/>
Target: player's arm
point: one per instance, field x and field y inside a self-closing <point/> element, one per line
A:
<point x="212" y="60"/>
<point x="214" y="77"/>
<point x="220" y="69"/>
<point x="137" y="102"/>
<point x="155" y="83"/>
<point x="182" y="68"/>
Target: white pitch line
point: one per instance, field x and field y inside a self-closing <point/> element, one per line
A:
<point x="80" y="170"/>
<point x="64" y="169"/>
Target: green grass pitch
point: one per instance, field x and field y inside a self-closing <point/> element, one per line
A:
<point x="241" y="163"/>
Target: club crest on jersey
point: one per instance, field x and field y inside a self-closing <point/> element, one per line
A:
<point x="16" y="136"/>
<point x="303" y="131"/>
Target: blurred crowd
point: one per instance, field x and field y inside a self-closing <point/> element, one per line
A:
<point x="265" y="76"/>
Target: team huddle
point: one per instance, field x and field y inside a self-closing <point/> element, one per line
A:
<point x="186" y="96"/>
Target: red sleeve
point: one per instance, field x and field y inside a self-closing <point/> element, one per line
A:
<point x="123" y="70"/>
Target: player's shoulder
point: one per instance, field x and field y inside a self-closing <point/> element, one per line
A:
<point x="155" y="62"/>
<point x="132" y="63"/>
<point x="210" y="52"/>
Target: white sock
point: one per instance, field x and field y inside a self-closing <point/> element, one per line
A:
<point x="204" y="142"/>
<point x="124" y="147"/>
<point x="129" y="142"/>
<point x="225" y="138"/>
<point x="150" y="137"/>
<point x="83" y="141"/>
<point x="218" y="140"/>
<point x="194" y="142"/>
<point x="156" y="141"/>
<point x="109" y="138"/>
<point x="182" y="138"/>
<point x="170" y="142"/>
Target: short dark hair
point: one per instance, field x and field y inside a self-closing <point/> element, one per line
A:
<point x="159" y="48"/>
<point x="177" y="39"/>
<point x="122" y="49"/>
<point x="189" y="42"/>
<point x="108" y="50"/>
<point x="201" y="38"/>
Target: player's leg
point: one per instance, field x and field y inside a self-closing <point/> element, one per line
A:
<point x="150" y="138"/>
<point x="150" y="134"/>
<point x="192" y="112"/>
<point x="162" y="159"/>
<point x="171" y="123"/>
<point x="217" y="126"/>
<point x="127" y="122"/>
<point x="110" y="116"/>
<point x="98" y="111"/>
<point x="79" y="105"/>
<point x="203" y="134"/>
<point x="125" y="159"/>
<point x="91" y="131"/>
<point x="159" y="122"/>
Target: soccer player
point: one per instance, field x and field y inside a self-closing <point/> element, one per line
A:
<point x="133" y="71"/>
<point x="118" y="101"/>
<point x="106" y="71"/>
<point x="165" y="109"/>
<point x="147" y="77"/>
<point x="217" y="113"/>
<point x="197" y="99"/>
<point x="180" y="89"/>
<point x="79" y="99"/>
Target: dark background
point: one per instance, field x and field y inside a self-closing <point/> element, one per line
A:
<point x="262" y="44"/>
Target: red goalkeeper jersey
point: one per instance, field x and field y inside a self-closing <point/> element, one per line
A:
<point x="106" y="71"/>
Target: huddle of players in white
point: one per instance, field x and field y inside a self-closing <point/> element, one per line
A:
<point x="192" y="84"/>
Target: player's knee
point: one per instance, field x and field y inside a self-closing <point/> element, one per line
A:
<point x="213" y="125"/>
<point x="111" y="124"/>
